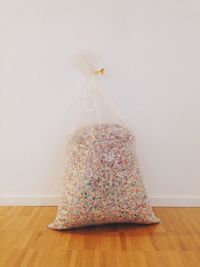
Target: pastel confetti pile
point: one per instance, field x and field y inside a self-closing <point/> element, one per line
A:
<point x="102" y="181"/>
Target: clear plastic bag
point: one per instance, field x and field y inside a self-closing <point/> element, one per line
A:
<point x="102" y="181"/>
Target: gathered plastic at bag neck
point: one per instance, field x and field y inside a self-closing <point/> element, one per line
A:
<point x="95" y="105"/>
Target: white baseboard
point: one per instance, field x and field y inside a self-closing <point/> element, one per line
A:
<point x="52" y="200"/>
<point x="29" y="200"/>
<point x="175" y="201"/>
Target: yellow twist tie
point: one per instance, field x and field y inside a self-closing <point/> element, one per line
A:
<point x="101" y="71"/>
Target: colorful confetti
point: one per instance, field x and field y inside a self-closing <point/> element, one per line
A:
<point x="102" y="181"/>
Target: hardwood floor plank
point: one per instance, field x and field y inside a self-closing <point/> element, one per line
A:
<point x="25" y="241"/>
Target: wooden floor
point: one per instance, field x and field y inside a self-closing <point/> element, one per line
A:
<point x="26" y="241"/>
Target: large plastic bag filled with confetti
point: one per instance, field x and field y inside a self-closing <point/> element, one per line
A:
<point x="102" y="183"/>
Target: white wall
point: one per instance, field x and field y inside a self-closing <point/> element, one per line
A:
<point x="151" y="51"/>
